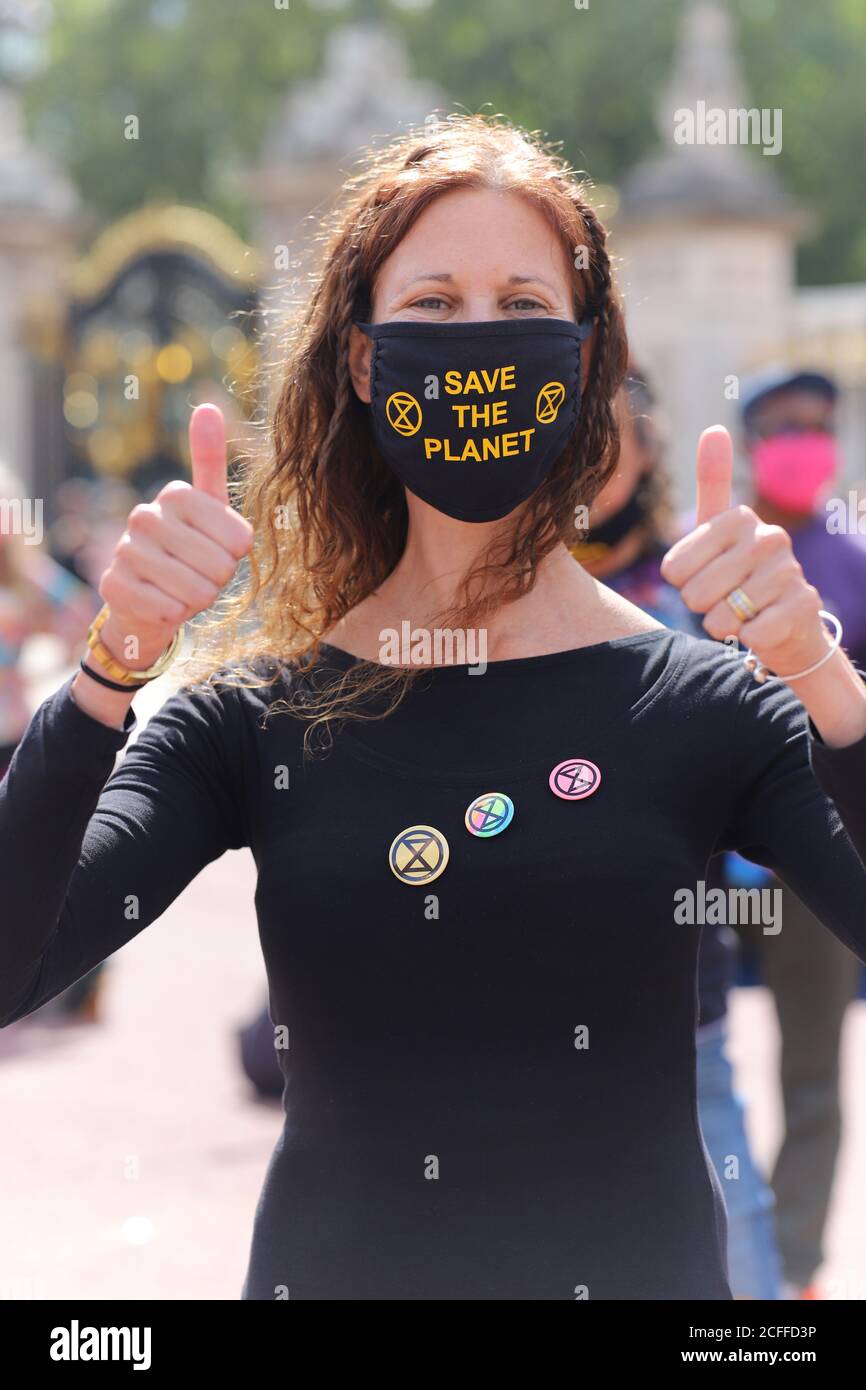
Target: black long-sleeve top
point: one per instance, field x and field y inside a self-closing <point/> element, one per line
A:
<point x="490" y="1077"/>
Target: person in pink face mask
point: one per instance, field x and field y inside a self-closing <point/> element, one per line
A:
<point x="789" y="427"/>
<point x="789" y="423"/>
<point x="796" y="465"/>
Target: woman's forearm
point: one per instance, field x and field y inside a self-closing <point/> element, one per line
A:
<point x="107" y="706"/>
<point x="835" y="699"/>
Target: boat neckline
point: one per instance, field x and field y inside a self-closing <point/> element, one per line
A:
<point x="508" y="665"/>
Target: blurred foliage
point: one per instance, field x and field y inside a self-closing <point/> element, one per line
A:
<point x="205" y="78"/>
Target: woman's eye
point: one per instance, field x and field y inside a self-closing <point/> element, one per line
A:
<point x="526" y="304"/>
<point x="430" y="301"/>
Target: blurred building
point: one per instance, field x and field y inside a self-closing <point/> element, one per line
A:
<point x="704" y="235"/>
<point x="705" y="238"/>
<point x="103" y="350"/>
<point x="160" y="314"/>
<point x="38" y="233"/>
<point x="365" y="93"/>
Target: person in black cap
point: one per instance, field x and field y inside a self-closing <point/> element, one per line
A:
<point x="789" y="426"/>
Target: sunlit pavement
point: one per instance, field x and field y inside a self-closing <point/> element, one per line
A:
<point x="133" y="1150"/>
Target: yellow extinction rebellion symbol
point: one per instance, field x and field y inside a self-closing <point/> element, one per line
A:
<point x="418" y="854"/>
<point x="550" y="398"/>
<point x="404" y="413"/>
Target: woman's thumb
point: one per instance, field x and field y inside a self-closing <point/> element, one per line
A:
<point x="207" y="447"/>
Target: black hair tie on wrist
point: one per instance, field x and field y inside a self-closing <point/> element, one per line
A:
<point x="110" y="685"/>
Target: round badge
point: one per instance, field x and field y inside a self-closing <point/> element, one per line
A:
<point x="574" y="779"/>
<point x="489" y="814"/>
<point x="418" y="854"/>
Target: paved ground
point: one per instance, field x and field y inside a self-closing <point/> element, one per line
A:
<point x="133" y="1152"/>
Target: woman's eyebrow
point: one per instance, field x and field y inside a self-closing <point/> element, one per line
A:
<point x="439" y="275"/>
<point x="531" y="280"/>
<point x="443" y="276"/>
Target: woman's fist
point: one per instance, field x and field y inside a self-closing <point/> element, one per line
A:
<point x="176" y="553"/>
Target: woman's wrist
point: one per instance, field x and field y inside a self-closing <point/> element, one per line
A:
<point x="133" y="652"/>
<point x="107" y="706"/>
<point x="111" y="706"/>
<point x="835" y="699"/>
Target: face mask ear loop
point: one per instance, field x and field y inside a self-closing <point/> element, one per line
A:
<point x="364" y="327"/>
<point x="584" y="329"/>
<point x="374" y="373"/>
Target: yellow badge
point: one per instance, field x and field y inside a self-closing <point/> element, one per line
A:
<point x="418" y="854"/>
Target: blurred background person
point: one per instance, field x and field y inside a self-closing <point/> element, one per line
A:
<point x="631" y="525"/>
<point x="90" y="515"/>
<point x="255" y="1041"/>
<point x="37" y="596"/>
<point x="789" y="428"/>
<point x="70" y="532"/>
<point x="112" y="500"/>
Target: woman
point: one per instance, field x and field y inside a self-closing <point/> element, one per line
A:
<point x="490" y="1084"/>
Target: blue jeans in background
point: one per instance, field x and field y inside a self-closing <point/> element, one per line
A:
<point x="754" y="1266"/>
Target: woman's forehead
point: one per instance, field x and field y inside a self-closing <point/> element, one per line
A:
<point x="497" y="234"/>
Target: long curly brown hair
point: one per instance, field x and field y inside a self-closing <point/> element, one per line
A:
<point x="330" y="518"/>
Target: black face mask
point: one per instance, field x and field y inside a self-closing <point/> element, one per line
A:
<point x="615" y="528"/>
<point x="597" y="541"/>
<point x="472" y="416"/>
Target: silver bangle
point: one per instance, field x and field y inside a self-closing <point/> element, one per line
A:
<point x="761" y="674"/>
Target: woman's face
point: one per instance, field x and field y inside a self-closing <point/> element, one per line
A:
<point x="473" y="255"/>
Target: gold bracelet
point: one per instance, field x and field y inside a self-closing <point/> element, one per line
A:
<point x="122" y="673"/>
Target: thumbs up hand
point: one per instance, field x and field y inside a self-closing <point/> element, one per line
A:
<point x="176" y="553"/>
<point x="731" y="552"/>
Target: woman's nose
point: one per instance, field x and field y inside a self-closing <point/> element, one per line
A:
<point x="480" y="307"/>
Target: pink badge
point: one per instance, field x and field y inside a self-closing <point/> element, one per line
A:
<point x="574" y="779"/>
